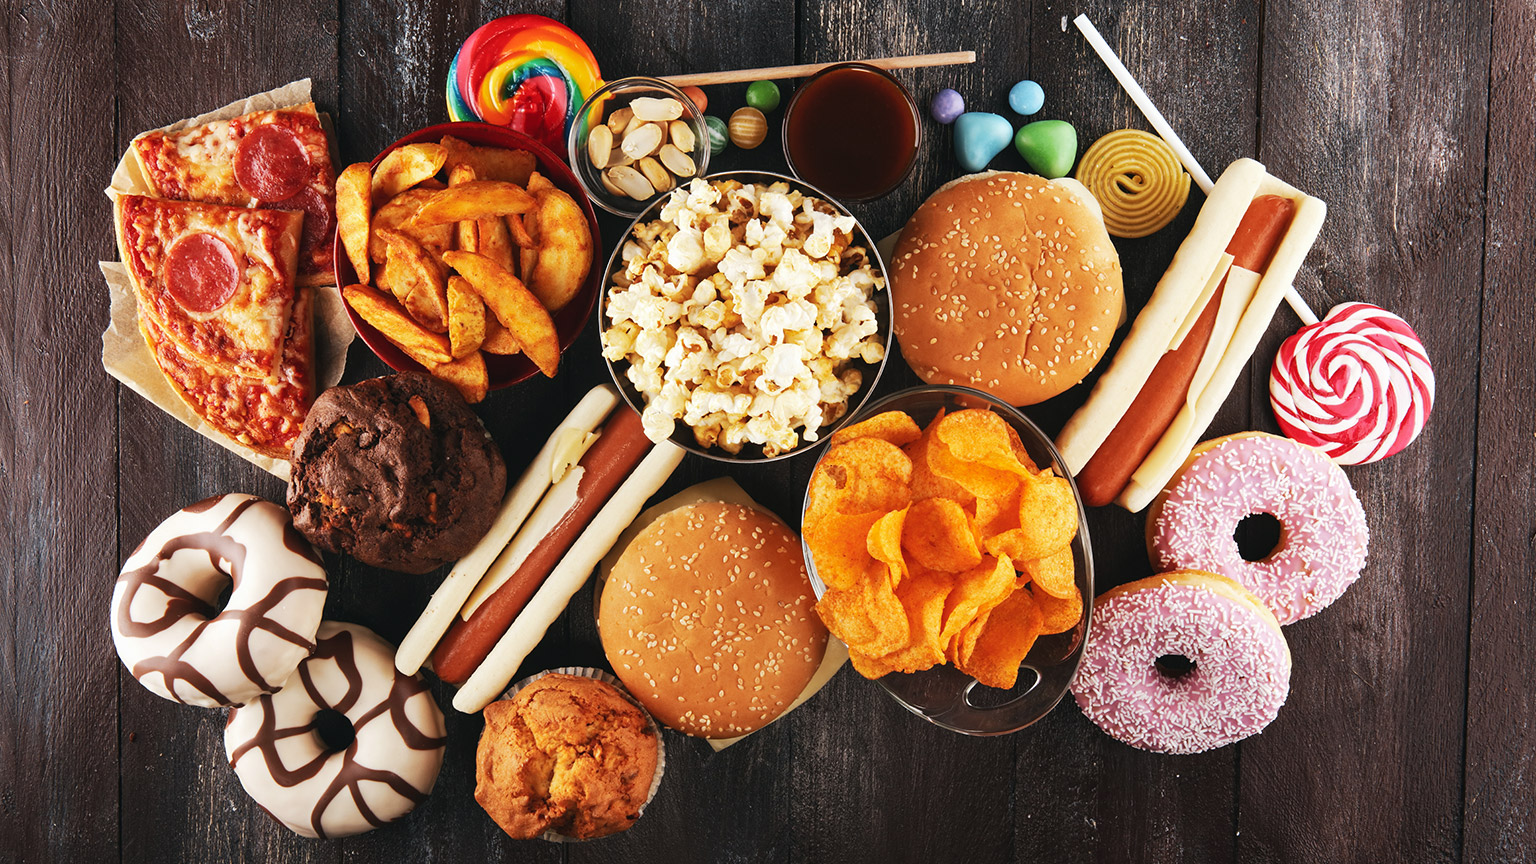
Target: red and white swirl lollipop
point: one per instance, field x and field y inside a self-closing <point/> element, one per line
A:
<point x="1356" y="385"/>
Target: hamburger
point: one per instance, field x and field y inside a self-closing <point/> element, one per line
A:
<point x="708" y="618"/>
<point x="1008" y="283"/>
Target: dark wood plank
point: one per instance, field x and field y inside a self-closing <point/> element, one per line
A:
<point x="180" y="801"/>
<point x="1365" y="761"/>
<point x="1501" y="700"/>
<point x="58" y="674"/>
<point x="1126" y="804"/>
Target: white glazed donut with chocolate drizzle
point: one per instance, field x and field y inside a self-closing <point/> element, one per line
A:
<point x="166" y="623"/>
<point x="275" y="746"/>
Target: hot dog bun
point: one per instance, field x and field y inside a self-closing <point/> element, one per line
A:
<point x="1024" y="322"/>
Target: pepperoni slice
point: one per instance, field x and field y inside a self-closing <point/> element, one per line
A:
<point x="200" y="271"/>
<point x="317" y="216"/>
<point x="271" y="163"/>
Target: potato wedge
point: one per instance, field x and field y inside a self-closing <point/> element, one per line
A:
<point x="406" y="166"/>
<point x="422" y="287"/>
<point x="492" y="163"/>
<point x="354" y="208"/>
<point x="466" y="230"/>
<point x="565" y="249"/>
<point x="519" y="231"/>
<point x="494" y="241"/>
<point x="468" y="374"/>
<point x="397" y="214"/>
<point x="498" y="339"/>
<point x="514" y="306"/>
<point x="466" y="318"/>
<point x="475" y="199"/>
<point x="420" y="344"/>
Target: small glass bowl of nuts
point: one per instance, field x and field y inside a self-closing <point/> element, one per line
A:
<point x="643" y="138"/>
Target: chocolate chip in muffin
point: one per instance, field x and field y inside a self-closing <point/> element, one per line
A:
<point x="397" y="472"/>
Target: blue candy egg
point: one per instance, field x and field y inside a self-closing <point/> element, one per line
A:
<point x="946" y="106"/>
<point x="1026" y="97"/>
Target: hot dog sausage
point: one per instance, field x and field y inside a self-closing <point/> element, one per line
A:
<point x="1252" y="246"/>
<point x="610" y="459"/>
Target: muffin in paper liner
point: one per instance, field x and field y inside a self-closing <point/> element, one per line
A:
<point x="607" y="678"/>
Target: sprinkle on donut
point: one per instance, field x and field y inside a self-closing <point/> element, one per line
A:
<point x="1323" y="535"/>
<point x="1239" y="677"/>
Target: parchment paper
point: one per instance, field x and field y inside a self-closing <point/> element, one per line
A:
<point x="126" y="356"/>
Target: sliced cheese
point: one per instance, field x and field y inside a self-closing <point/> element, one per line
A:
<point x="1175" y="444"/>
<point x="1171" y="303"/>
<point x="1281" y="272"/>
<point x="557" y="502"/>
<point x="495" y="672"/>
<point x="720" y="489"/>
<point x="515" y="507"/>
<point x="1223" y="264"/>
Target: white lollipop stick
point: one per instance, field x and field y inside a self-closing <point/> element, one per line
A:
<point x="1160" y="123"/>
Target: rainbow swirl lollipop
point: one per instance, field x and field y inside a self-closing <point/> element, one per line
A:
<point x="1356" y="385"/>
<point x="526" y="72"/>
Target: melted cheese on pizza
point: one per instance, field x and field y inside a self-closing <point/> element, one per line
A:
<point x="250" y="291"/>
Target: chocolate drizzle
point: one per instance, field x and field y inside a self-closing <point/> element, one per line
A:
<point x="339" y="648"/>
<point x="227" y="556"/>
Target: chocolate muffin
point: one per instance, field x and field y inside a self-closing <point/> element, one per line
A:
<point x="396" y="472"/>
<point x="567" y="753"/>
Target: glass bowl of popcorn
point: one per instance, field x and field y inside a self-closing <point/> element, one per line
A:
<point x="745" y="315"/>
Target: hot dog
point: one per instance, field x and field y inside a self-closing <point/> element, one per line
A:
<point x="618" y="449"/>
<point x="1252" y="246"/>
<point x="586" y="483"/>
<point x="1190" y="342"/>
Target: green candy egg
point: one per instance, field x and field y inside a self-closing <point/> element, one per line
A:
<point x="719" y="136"/>
<point x="1049" y="146"/>
<point x="763" y="95"/>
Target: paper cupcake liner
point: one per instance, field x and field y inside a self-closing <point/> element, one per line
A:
<point x="613" y="681"/>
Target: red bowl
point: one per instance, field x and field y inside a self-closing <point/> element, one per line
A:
<point x="502" y="370"/>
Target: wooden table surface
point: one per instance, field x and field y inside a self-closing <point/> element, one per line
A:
<point x="1408" y="733"/>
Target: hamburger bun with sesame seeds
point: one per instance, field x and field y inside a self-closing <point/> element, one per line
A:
<point x="1008" y="283"/>
<point x="708" y="618"/>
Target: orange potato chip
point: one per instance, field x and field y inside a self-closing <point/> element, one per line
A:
<point x="869" y="475"/>
<point x="938" y="536"/>
<point x="1011" y="631"/>
<point x="893" y="426"/>
<point x="981" y="437"/>
<point x="1060" y="614"/>
<point x="1019" y="452"/>
<point x="1054" y="574"/>
<point x="839" y="547"/>
<point x="867" y="616"/>
<point x="964" y="642"/>
<point x="883" y="543"/>
<point x="923" y="597"/>
<point x="996" y="515"/>
<point x="1047" y="520"/>
<point x="975" y="591"/>
<point x="925" y="482"/>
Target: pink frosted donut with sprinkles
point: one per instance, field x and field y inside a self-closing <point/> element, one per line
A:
<point x="1323" y="536"/>
<point x="1182" y="662"/>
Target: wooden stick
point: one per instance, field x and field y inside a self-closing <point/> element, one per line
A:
<point x="772" y="73"/>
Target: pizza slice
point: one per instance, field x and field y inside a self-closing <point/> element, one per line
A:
<point x="264" y="414"/>
<point x="276" y="160"/>
<point x="217" y="281"/>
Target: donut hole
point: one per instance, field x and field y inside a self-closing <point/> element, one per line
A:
<point x="1174" y="665"/>
<point x="1257" y="536"/>
<point x="334" y="729"/>
<point x="979" y="695"/>
<point x="222" y="599"/>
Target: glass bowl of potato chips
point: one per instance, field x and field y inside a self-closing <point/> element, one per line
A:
<point x="745" y="316"/>
<point x="948" y="547"/>
<point x="468" y="251"/>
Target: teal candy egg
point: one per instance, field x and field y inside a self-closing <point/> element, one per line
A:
<point x="978" y="137"/>
<point x="763" y="95"/>
<point x="719" y="136"/>
<point x="1049" y="146"/>
<point x="1026" y="97"/>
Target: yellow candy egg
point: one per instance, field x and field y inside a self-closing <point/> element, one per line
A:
<point x="748" y="128"/>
